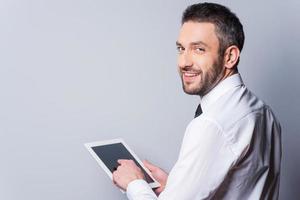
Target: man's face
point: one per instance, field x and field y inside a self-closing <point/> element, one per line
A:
<point x="199" y="64"/>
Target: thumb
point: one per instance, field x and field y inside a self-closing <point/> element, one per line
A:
<point x="149" y="165"/>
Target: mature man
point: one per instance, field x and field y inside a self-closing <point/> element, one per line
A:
<point x="231" y="150"/>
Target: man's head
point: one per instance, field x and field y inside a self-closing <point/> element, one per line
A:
<point x="209" y="44"/>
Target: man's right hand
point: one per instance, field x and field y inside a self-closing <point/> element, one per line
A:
<point x="160" y="175"/>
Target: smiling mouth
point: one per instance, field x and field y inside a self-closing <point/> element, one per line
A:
<point x="189" y="76"/>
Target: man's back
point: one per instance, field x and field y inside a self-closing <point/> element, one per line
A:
<point x="253" y="134"/>
<point x="244" y="162"/>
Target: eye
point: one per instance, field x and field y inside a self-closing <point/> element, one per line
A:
<point x="180" y="49"/>
<point x="199" y="49"/>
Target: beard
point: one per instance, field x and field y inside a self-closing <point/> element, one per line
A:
<point x="208" y="80"/>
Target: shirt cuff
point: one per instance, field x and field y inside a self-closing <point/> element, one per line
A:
<point x="139" y="189"/>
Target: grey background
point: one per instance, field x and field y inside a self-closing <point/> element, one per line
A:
<point x="79" y="71"/>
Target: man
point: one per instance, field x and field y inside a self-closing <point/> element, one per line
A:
<point x="233" y="149"/>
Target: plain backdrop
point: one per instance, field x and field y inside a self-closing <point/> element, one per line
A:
<point x="76" y="71"/>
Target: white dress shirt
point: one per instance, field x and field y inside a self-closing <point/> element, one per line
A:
<point x="232" y="151"/>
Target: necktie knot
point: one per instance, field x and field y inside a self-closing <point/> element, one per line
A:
<point x="198" y="111"/>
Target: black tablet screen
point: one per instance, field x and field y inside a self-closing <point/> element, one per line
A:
<point x="110" y="153"/>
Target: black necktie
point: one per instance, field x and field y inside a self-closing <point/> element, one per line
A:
<point x="198" y="111"/>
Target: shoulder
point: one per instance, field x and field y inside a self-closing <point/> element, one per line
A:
<point x="238" y="116"/>
<point x="235" y="106"/>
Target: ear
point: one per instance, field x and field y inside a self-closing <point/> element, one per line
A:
<point x="231" y="57"/>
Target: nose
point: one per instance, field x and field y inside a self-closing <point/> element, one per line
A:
<point x="185" y="60"/>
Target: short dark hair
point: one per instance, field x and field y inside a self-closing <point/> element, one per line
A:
<point x="229" y="29"/>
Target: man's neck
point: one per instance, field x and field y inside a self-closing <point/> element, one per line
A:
<point x="224" y="75"/>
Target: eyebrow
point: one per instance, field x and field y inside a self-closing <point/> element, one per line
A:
<point x="193" y="43"/>
<point x="178" y="43"/>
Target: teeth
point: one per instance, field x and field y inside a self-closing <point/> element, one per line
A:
<point x="190" y="74"/>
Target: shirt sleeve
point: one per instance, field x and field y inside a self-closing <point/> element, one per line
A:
<point x="205" y="159"/>
<point x="140" y="190"/>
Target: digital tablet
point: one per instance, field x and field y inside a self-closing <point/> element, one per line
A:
<point x="107" y="153"/>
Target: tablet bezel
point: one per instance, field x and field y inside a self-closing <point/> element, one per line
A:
<point x="90" y="145"/>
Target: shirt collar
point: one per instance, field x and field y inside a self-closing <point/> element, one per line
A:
<point x="220" y="89"/>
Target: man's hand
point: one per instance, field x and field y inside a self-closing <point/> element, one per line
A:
<point x="160" y="175"/>
<point x="126" y="172"/>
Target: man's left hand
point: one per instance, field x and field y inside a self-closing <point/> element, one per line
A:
<point x="126" y="172"/>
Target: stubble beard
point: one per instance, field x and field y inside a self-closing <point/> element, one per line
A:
<point x="207" y="81"/>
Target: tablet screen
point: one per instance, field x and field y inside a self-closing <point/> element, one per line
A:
<point x="110" y="153"/>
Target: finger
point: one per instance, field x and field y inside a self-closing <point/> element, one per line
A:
<point x="120" y="161"/>
<point x="150" y="166"/>
<point x="114" y="182"/>
<point x="114" y="176"/>
<point x="158" y="191"/>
